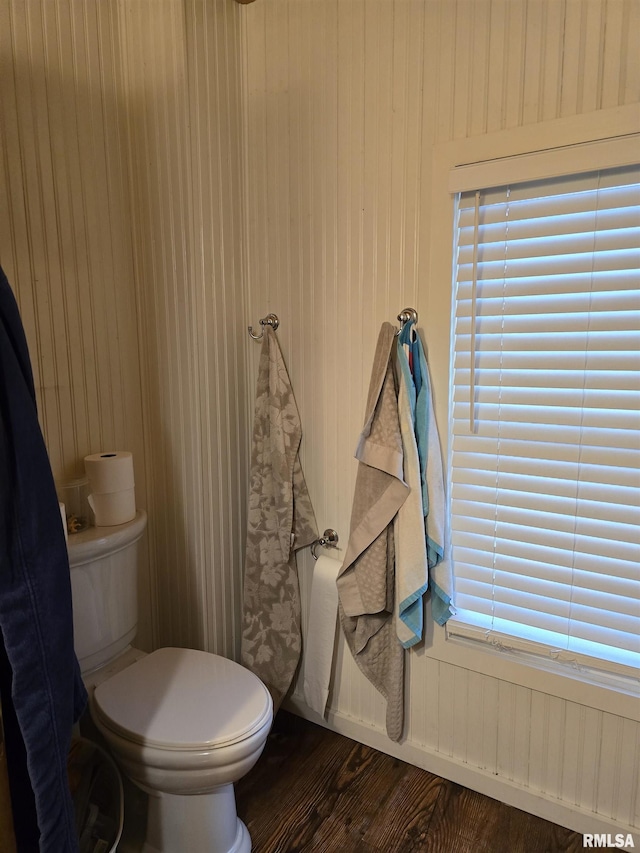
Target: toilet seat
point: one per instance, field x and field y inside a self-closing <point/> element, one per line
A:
<point x="183" y="699"/>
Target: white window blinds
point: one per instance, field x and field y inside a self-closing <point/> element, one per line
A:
<point x="545" y="453"/>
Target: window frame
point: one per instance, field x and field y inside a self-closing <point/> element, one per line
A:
<point x="608" y="694"/>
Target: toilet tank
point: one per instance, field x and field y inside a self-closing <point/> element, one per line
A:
<point x="104" y="583"/>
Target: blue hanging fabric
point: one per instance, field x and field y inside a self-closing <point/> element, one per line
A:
<point x="430" y="455"/>
<point x="412" y="571"/>
<point x="41" y="689"/>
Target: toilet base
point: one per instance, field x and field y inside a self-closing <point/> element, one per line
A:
<point x="199" y="823"/>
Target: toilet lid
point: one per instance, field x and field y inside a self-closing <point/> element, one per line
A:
<point x="184" y="699"/>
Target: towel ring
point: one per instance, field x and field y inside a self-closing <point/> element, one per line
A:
<point x="269" y="320"/>
<point x="328" y="540"/>
<point x="407" y="315"/>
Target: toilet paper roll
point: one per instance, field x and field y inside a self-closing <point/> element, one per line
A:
<point x="321" y="634"/>
<point x="113" y="508"/>
<point x="111" y="471"/>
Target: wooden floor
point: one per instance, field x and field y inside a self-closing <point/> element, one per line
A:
<point x="7" y="840"/>
<point x="313" y="790"/>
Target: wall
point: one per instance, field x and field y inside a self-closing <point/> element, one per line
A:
<point x="65" y="239"/>
<point x="344" y="103"/>
<point x="182" y="91"/>
<point x="120" y="166"/>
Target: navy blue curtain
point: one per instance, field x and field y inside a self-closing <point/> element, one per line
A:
<point x="40" y="685"/>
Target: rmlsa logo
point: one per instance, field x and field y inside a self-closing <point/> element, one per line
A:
<point x="605" y="840"/>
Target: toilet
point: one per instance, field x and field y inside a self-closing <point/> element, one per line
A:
<point x="183" y="725"/>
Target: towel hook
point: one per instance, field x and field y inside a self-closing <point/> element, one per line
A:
<point x="328" y="540"/>
<point x="269" y="320"/>
<point x="407" y="315"/>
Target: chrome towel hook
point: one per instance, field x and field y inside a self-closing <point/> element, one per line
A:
<point x="328" y="539"/>
<point x="269" y="320"/>
<point x="407" y="315"/>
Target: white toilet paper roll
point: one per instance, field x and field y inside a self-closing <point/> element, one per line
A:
<point x="321" y="634"/>
<point x="113" y="508"/>
<point x="111" y="471"/>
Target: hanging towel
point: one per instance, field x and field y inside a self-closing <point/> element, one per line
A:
<point x="281" y="521"/>
<point x="412" y="572"/>
<point x="366" y="578"/>
<point x="433" y="504"/>
<point x="40" y="685"/>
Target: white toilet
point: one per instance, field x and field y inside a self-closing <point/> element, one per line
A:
<point x="184" y="725"/>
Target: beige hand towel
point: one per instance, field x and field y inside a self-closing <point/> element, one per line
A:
<point x="366" y="579"/>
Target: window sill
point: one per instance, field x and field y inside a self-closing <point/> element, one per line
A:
<point x="605" y="693"/>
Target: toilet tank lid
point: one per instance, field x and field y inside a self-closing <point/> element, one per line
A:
<point x="184" y="699"/>
<point x="94" y="543"/>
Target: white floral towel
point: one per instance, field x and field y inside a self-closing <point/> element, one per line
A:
<point x="281" y="521"/>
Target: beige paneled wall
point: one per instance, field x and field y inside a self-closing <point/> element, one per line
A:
<point x="344" y="103"/>
<point x="213" y="47"/>
<point x="66" y="242"/>
<point x="121" y="156"/>
<point x="65" y="231"/>
<point x="182" y="90"/>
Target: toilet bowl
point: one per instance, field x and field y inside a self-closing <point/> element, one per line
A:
<point x="183" y="725"/>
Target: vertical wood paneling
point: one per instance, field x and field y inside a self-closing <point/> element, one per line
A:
<point x="506" y="729"/>
<point x="574" y="749"/>
<point x="552" y="48"/>
<point x="496" y="83"/>
<point x="533" y="62"/>
<point x="475" y="694"/>
<point x="431" y="676"/>
<point x="522" y="736"/>
<point x="594" y="31"/>
<point x="479" y="89"/>
<point x="65" y="238"/>
<point x="459" y="714"/>
<point x="444" y="28"/>
<point x="157" y="118"/>
<point x="631" y="54"/>
<point x="184" y="132"/>
<point x="344" y="101"/>
<point x="462" y="56"/>
<point x="350" y="283"/>
<point x="608" y="763"/>
<point x="612" y="61"/>
<point x="488" y="730"/>
<point x="588" y="758"/>
<point x="515" y="63"/>
<point x="539" y="735"/>
<point x="121" y="156"/>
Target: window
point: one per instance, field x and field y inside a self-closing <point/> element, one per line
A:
<point x="545" y="445"/>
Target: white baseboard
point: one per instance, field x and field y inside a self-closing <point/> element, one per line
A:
<point x="506" y="791"/>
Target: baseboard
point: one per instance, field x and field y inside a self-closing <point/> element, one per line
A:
<point x="562" y="813"/>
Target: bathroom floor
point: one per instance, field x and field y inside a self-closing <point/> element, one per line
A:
<point x="313" y="790"/>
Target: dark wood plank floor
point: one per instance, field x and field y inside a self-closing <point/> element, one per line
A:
<point x="313" y="790"/>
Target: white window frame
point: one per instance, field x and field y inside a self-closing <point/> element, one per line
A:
<point x="564" y="140"/>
